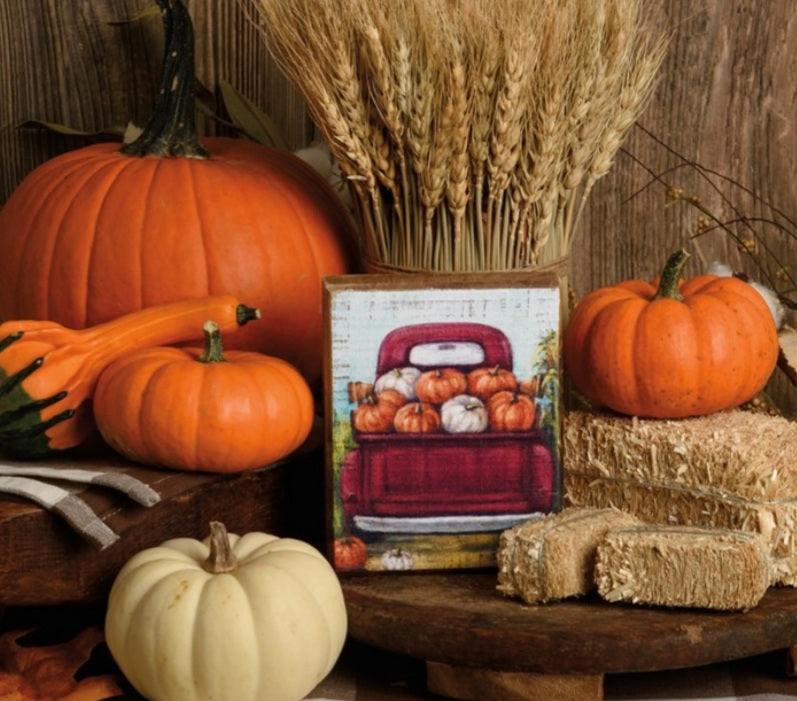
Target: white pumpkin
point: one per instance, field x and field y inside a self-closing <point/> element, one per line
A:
<point x="400" y="379"/>
<point x="464" y="414"/>
<point x="397" y="559"/>
<point x="249" y="618"/>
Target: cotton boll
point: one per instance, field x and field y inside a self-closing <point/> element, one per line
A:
<point x="720" y="269"/>
<point x="770" y="297"/>
<point x="772" y="301"/>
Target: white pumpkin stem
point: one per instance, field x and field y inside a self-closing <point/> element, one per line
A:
<point x="221" y="557"/>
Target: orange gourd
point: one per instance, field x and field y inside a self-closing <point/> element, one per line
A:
<point x="202" y="409"/>
<point x="682" y="348"/>
<point x="99" y="232"/>
<point x="511" y="411"/>
<point x="48" y="372"/>
<point x="439" y="385"/>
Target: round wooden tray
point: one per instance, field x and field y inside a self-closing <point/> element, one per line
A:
<point x="462" y="620"/>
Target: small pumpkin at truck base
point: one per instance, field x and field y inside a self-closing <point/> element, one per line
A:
<point x="203" y="409"/>
<point x="234" y="618"/>
<point x="679" y="349"/>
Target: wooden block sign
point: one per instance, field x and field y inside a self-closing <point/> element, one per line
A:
<point x="443" y="415"/>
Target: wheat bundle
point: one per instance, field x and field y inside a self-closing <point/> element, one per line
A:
<point x="471" y="131"/>
<point x="553" y="557"/>
<point x="683" y="566"/>
<point x="735" y="470"/>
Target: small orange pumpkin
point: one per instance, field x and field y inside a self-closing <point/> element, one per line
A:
<point x="439" y="385"/>
<point x="376" y="412"/>
<point x="483" y="382"/>
<point x="203" y="410"/>
<point x="349" y="553"/>
<point x="511" y="411"/>
<point x="674" y="350"/>
<point x="417" y="417"/>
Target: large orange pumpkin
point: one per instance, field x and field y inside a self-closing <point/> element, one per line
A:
<point x="99" y="232"/>
<point x="674" y="350"/>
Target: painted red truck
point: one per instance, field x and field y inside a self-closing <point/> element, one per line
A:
<point x="446" y="481"/>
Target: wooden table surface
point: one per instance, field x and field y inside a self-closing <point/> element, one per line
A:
<point x="460" y="619"/>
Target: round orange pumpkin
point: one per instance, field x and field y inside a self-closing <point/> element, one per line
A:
<point x="682" y="348"/>
<point x="376" y="412"/>
<point x="417" y="417"/>
<point x="483" y="382"/>
<point x="349" y="553"/>
<point x="511" y="411"/>
<point x="439" y="385"/>
<point x="99" y="232"/>
<point x="204" y="410"/>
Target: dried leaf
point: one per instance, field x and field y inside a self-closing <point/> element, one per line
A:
<point x="788" y="352"/>
<point x="110" y="132"/>
<point x="253" y="122"/>
<point x="29" y="673"/>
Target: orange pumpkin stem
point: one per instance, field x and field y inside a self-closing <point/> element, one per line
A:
<point x="221" y="557"/>
<point x="171" y="130"/>
<point x="213" y="351"/>
<point x="671" y="275"/>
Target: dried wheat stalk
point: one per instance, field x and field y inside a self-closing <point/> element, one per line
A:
<point x="471" y="131"/>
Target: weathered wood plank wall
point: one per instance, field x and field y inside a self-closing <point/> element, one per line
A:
<point x="726" y="100"/>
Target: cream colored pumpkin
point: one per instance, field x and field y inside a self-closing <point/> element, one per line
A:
<point x="249" y="618"/>
<point x="400" y="379"/>
<point x="464" y="414"/>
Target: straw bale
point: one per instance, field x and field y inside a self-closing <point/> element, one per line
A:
<point x="683" y="566"/>
<point x="733" y="469"/>
<point x="553" y="557"/>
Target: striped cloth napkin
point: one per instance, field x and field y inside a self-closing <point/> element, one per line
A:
<point x="54" y="489"/>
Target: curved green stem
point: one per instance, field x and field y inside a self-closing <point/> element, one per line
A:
<point x="671" y="275"/>
<point x="171" y="131"/>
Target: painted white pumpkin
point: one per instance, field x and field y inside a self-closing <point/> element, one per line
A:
<point x="249" y="618"/>
<point x="397" y="559"/>
<point x="400" y="379"/>
<point x="464" y="414"/>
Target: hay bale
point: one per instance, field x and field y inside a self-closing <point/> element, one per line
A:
<point x="553" y="557"/>
<point x="735" y="470"/>
<point x="683" y="566"/>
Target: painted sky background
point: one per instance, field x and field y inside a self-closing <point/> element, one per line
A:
<point x="361" y="317"/>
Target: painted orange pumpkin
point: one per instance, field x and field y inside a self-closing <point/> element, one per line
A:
<point x="439" y="385"/>
<point x="99" y="232"/>
<point x="511" y="411"/>
<point x="205" y="410"/>
<point x="483" y="382"/>
<point x="417" y="417"/>
<point x="349" y="553"/>
<point x="375" y="414"/>
<point x="682" y="348"/>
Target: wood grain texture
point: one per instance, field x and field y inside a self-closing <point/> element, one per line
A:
<point x="44" y="562"/>
<point x="471" y="684"/>
<point x="461" y="620"/>
<point x="725" y="99"/>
